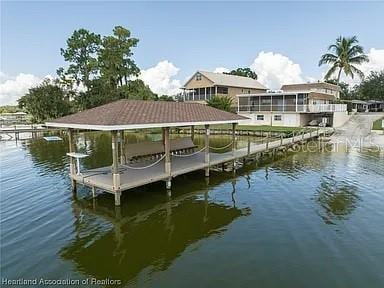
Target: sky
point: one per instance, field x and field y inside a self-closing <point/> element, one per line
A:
<point x="281" y="41"/>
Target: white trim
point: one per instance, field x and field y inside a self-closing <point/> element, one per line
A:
<point x="137" y="126"/>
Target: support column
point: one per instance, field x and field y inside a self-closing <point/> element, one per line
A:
<point x="193" y="132"/>
<point x="122" y="148"/>
<point x="72" y="164"/>
<point x="206" y="158"/>
<point x="234" y="145"/>
<point x="115" y="169"/>
<point x="167" y="150"/>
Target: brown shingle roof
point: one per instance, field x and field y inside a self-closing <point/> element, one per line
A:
<point x="137" y="113"/>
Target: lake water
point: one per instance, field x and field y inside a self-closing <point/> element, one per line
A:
<point x="304" y="220"/>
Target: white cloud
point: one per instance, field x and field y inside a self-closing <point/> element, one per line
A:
<point x="274" y="70"/>
<point x="160" y="78"/>
<point x="221" y="70"/>
<point x="12" y="88"/>
<point x="376" y="61"/>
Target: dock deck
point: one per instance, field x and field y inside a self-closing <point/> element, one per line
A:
<point x="133" y="176"/>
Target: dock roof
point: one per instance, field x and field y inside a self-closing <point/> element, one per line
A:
<point x="138" y="114"/>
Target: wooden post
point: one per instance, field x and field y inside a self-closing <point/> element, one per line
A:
<point x="281" y="140"/>
<point x="122" y="148"/>
<point x="207" y="150"/>
<point x="249" y="146"/>
<point x="115" y="168"/>
<point x="233" y="138"/>
<point x="193" y="132"/>
<point x="167" y="150"/>
<point x="72" y="163"/>
<point x="234" y="145"/>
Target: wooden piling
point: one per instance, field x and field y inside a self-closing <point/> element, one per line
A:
<point x="115" y="168"/>
<point x="206" y="158"/>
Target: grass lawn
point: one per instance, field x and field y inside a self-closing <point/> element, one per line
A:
<point x="377" y="124"/>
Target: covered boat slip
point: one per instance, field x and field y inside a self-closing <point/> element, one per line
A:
<point x="134" y="166"/>
<point x="144" y="172"/>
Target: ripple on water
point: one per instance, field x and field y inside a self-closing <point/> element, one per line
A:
<point x="278" y="224"/>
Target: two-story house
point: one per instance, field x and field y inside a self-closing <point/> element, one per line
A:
<point x="204" y="85"/>
<point x="295" y="105"/>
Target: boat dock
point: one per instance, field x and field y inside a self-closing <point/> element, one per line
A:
<point x="142" y="173"/>
<point x="135" y="166"/>
<point x="13" y="132"/>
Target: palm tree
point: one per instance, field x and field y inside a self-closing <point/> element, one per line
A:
<point x="343" y="56"/>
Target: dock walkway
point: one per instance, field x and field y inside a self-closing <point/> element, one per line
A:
<point x="133" y="176"/>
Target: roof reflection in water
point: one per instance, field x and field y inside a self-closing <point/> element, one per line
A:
<point x="148" y="234"/>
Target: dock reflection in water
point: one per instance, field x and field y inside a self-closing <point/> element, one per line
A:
<point x="150" y="237"/>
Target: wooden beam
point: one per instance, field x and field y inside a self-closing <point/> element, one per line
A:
<point x="234" y="145"/>
<point x="206" y="142"/>
<point x="193" y="132"/>
<point x="115" y="168"/>
<point x="234" y="137"/>
<point x="72" y="164"/>
<point x="122" y="148"/>
<point x="167" y="150"/>
<point x="72" y="149"/>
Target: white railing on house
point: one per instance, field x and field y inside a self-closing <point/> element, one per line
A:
<point x="314" y="108"/>
<point x="327" y="108"/>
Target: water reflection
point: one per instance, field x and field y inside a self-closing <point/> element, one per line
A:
<point x="338" y="199"/>
<point x="145" y="235"/>
<point x="50" y="155"/>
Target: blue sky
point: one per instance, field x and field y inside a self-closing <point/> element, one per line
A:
<point x="189" y="36"/>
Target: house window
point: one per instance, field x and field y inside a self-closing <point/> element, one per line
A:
<point x="260" y="117"/>
<point x="222" y="90"/>
<point x="278" y="118"/>
<point x="198" y="77"/>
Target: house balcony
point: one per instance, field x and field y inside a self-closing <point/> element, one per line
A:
<point x="313" y="108"/>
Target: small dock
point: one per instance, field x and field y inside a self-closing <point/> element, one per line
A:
<point x="13" y="132"/>
<point x="143" y="163"/>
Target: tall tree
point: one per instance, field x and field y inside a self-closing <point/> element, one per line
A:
<point x="115" y="57"/>
<point x="46" y="101"/>
<point x="136" y="90"/>
<point x="81" y="52"/>
<point x="245" y="72"/>
<point x="372" y="87"/>
<point x="343" y="56"/>
<point x="98" y="93"/>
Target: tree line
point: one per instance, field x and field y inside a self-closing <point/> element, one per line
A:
<point x="100" y="69"/>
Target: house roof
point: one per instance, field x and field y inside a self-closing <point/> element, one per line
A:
<point x="138" y="114"/>
<point x="230" y="80"/>
<point x="308" y="86"/>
